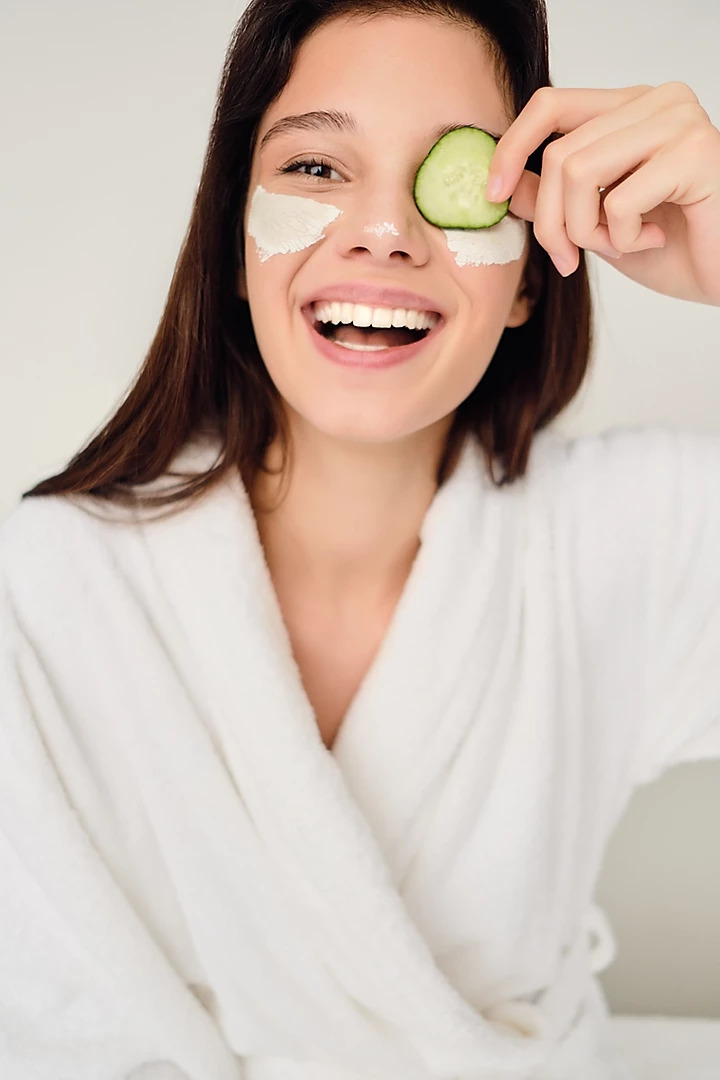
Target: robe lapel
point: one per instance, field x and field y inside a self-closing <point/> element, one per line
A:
<point x="423" y="694"/>
<point x="328" y="822"/>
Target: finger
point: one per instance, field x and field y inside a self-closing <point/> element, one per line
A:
<point x="622" y="154"/>
<point x="522" y="203"/>
<point x="550" y="109"/>
<point x="568" y="209"/>
<point x="652" y="184"/>
<point x="553" y="109"/>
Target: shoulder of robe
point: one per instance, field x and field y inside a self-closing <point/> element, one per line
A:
<point x="618" y="455"/>
<point x="52" y="530"/>
<point x="616" y="494"/>
<point x="553" y="447"/>
<point x="639" y="443"/>
<point x="49" y="556"/>
<point x="39" y="527"/>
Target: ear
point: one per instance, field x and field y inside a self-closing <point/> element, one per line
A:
<point x="519" y="312"/>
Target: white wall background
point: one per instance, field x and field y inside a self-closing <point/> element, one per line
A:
<point x="107" y="111"/>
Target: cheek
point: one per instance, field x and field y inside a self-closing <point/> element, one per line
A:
<point x="285" y="224"/>
<point x="500" y="244"/>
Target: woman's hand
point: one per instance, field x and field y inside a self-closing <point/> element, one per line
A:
<point x="638" y="169"/>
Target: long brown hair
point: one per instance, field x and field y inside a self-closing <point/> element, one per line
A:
<point x="203" y="370"/>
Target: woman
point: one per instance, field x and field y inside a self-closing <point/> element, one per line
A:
<point x="314" y="777"/>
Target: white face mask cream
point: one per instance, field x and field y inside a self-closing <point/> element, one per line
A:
<point x="497" y="245"/>
<point x="281" y="224"/>
<point x="380" y="230"/>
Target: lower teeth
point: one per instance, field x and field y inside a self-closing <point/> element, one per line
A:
<point x="360" y="348"/>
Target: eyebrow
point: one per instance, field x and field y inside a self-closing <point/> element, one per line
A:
<point x="332" y="120"/>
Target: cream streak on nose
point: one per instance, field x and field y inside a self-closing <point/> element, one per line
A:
<point x="380" y="230"/>
<point x="281" y="224"/>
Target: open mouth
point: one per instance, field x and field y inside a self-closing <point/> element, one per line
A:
<point x="378" y="337"/>
<point x="366" y="338"/>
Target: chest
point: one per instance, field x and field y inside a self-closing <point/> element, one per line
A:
<point x="333" y="654"/>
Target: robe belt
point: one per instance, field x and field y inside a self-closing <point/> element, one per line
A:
<point x="554" y="1010"/>
<point x="552" y="1015"/>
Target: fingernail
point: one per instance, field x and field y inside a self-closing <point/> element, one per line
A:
<point x="493" y="189"/>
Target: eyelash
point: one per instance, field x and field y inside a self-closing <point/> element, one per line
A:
<point x="294" y="166"/>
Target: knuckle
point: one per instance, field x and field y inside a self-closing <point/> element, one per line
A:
<point x="701" y="135"/>
<point x="543" y="93"/>
<point x="691" y="111"/>
<point x="702" y="122"/>
<point x="696" y="129"/>
<point x="615" y="204"/>
<point x="678" y="89"/>
<point x="688" y="92"/>
<point x="575" y="168"/>
<point x="552" y="154"/>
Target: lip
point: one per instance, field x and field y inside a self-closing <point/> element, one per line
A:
<point x="384" y="358"/>
<point x="356" y="292"/>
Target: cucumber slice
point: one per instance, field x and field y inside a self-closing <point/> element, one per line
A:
<point x="450" y="184"/>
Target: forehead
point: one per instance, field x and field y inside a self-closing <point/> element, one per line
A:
<point x="399" y="72"/>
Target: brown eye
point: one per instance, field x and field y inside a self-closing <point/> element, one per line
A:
<point x="314" y="165"/>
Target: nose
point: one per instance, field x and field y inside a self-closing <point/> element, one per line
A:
<point x="384" y="228"/>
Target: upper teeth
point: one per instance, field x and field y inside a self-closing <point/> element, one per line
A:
<point x="362" y="315"/>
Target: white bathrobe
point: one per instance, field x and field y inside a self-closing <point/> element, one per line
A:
<point x="192" y="887"/>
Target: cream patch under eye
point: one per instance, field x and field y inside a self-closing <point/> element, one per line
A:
<point x="282" y="224"/>
<point x="497" y="245"/>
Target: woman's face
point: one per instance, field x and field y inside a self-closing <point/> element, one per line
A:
<point x="400" y="78"/>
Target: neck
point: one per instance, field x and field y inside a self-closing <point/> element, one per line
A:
<point x="349" y="522"/>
